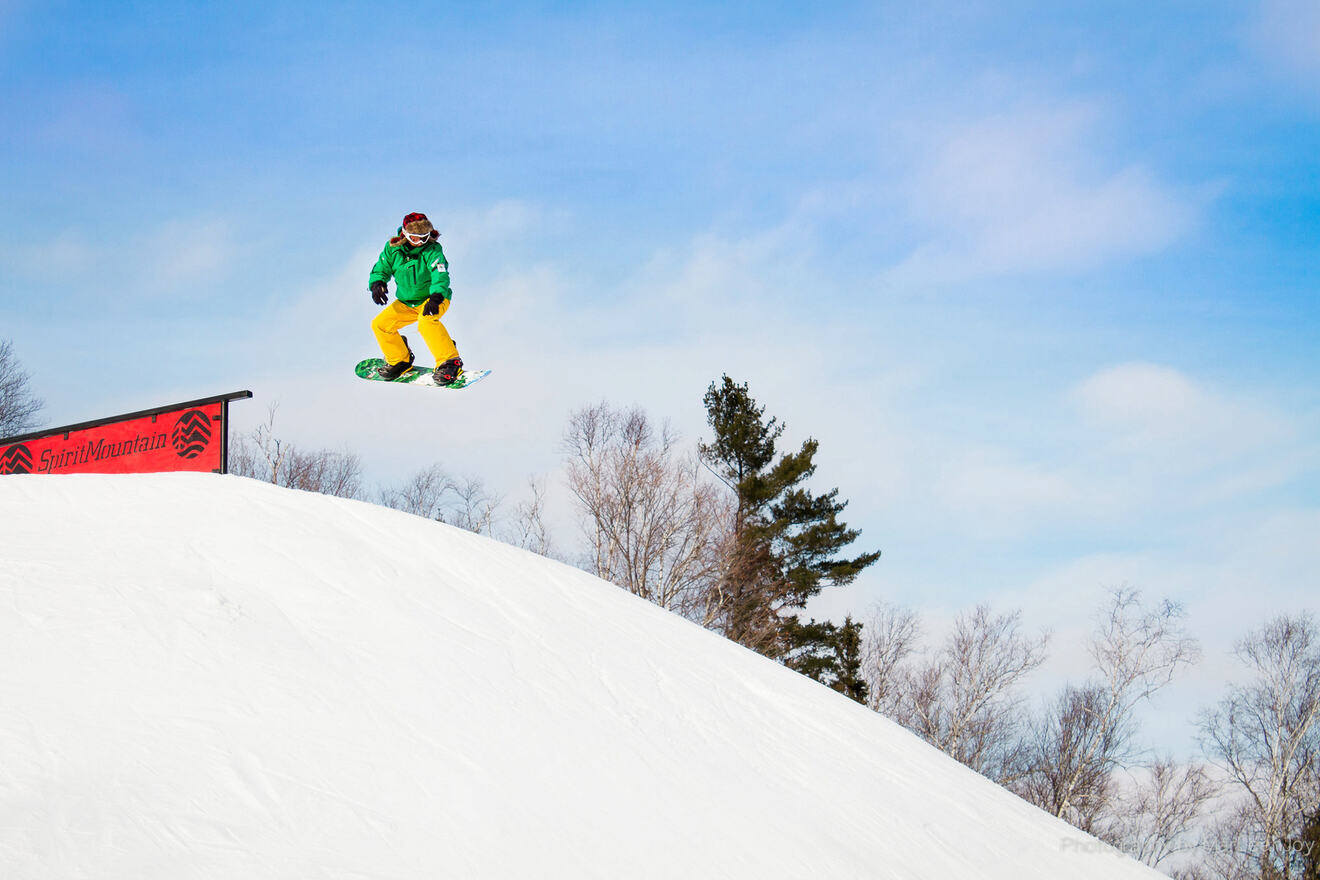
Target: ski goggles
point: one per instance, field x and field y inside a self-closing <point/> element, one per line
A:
<point x="416" y="239"/>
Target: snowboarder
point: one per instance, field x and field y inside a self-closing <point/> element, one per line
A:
<point x="414" y="259"/>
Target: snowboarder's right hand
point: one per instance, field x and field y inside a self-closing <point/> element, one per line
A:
<point x="380" y="294"/>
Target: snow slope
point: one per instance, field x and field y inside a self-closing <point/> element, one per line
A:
<point x="206" y="676"/>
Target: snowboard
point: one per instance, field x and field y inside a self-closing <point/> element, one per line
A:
<point x="417" y="375"/>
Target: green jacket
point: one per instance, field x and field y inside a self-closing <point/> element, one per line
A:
<point x="418" y="272"/>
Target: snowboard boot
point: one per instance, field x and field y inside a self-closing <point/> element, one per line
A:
<point x="448" y="372"/>
<point x="390" y="372"/>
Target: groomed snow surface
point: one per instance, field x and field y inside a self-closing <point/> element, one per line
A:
<point x="207" y="676"/>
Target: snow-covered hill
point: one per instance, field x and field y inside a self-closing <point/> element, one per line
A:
<point x="205" y="676"/>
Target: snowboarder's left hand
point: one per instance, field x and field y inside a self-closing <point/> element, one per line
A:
<point x="432" y="306"/>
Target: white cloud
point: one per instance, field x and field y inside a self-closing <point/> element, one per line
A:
<point x="1141" y="394"/>
<point x="1027" y="193"/>
<point x="1154" y="412"/>
<point x="995" y="494"/>
<point x="1130" y="442"/>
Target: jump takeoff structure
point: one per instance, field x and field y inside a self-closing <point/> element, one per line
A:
<point x="189" y="436"/>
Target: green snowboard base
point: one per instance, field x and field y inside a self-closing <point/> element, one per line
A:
<point x="417" y="375"/>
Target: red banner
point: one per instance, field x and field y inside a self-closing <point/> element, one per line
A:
<point x="191" y="438"/>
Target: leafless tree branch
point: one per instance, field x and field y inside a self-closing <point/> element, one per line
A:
<point x="18" y="405"/>
<point x="653" y="525"/>
<point x="1088" y="732"/>
<point x="963" y="699"/>
<point x="1266" y="735"/>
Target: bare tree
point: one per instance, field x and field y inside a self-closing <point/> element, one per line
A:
<point x="1087" y="732"/>
<point x="431" y="492"/>
<point x="473" y="508"/>
<point x="742" y="604"/>
<point x="1073" y="751"/>
<point x="1154" y="818"/>
<point x="530" y="530"/>
<point x="423" y="494"/>
<point x="18" y="406"/>
<point x="1266" y="735"/>
<point x="963" y="700"/>
<point x="325" y="471"/>
<point x="263" y="455"/>
<point x="434" y="494"/>
<point x="891" y="637"/>
<point x="259" y="454"/>
<point x="654" y="526"/>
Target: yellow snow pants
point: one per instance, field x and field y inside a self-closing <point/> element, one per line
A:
<point x="395" y="316"/>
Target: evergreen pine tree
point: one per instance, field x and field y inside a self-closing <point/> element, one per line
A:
<point x="850" y="681"/>
<point x="811" y="648"/>
<point x="786" y="541"/>
<point x="827" y="652"/>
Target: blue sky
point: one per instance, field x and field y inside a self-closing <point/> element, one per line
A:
<point x="1041" y="278"/>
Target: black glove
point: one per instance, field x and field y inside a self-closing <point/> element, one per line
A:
<point x="380" y="294"/>
<point x="432" y="306"/>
